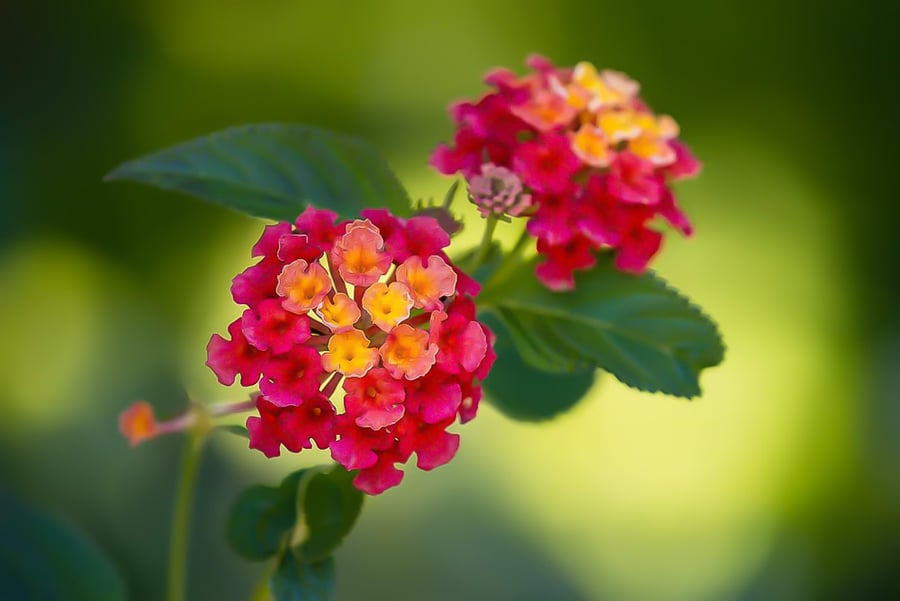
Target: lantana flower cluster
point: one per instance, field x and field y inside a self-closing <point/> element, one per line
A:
<point x="363" y="340"/>
<point x="580" y="154"/>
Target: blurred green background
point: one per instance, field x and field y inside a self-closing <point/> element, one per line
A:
<point x="781" y="482"/>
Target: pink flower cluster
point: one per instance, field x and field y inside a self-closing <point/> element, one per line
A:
<point x="595" y="161"/>
<point x="372" y="314"/>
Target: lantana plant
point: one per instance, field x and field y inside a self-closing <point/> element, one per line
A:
<point x="365" y="334"/>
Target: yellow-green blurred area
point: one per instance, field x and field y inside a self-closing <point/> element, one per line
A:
<point x="781" y="482"/>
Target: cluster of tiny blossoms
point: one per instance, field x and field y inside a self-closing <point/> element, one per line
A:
<point x="577" y="152"/>
<point x="372" y="312"/>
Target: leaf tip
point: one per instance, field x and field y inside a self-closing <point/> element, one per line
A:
<point x="118" y="173"/>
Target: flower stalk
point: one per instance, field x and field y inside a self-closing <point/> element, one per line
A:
<point x="510" y="261"/>
<point x="484" y="249"/>
<point x="184" y="496"/>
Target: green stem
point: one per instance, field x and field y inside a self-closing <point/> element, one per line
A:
<point x="485" y="247"/>
<point x="510" y="262"/>
<point x="520" y="244"/>
<point x="181" y="518"/>
<point x="261" y="591"/>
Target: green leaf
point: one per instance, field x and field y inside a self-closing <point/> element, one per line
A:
<point x="262" y="518"/>
<point x="327" y="505"/>
<point x="635" y="327"/>
<point x="299" y="580"/>
<point x="330" y="505"/>
<point x="310" y="513"/>
<point x="40" y="558"/>
<point x="274" y="171"/>
<point x="527" y="394"/>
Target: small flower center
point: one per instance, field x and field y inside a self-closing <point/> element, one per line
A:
<point x="339" y="312"/>
<point x="429" y="282"/>
<point x="387" y="304"/>
<point x="303" y="286"/>
<point x="407" y="352"/>
<point x="358" y="255"/>
<point x="349" y="353"/>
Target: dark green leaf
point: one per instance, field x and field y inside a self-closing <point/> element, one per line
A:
<point x="311" y="512"/>
<point x="40" y="558"/>
<point x="263" y="517"/>
<point x="274" y="171"/>
<point x="527" y="394"/>
<point x="299" y="580"/>
<point x="635" y="327"/>
<point x="330" y="505"/>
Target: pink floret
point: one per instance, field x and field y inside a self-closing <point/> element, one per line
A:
<point x="376" y="399"/>
<point x="292" y="378"/>
<point x="294" y="427"/>
<point x="546" y="166"/>
<point x="228" y="358"/>
<point x="319" y="226"/>
<point x="271" y="327"/>
<point x="380" y="476"/>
